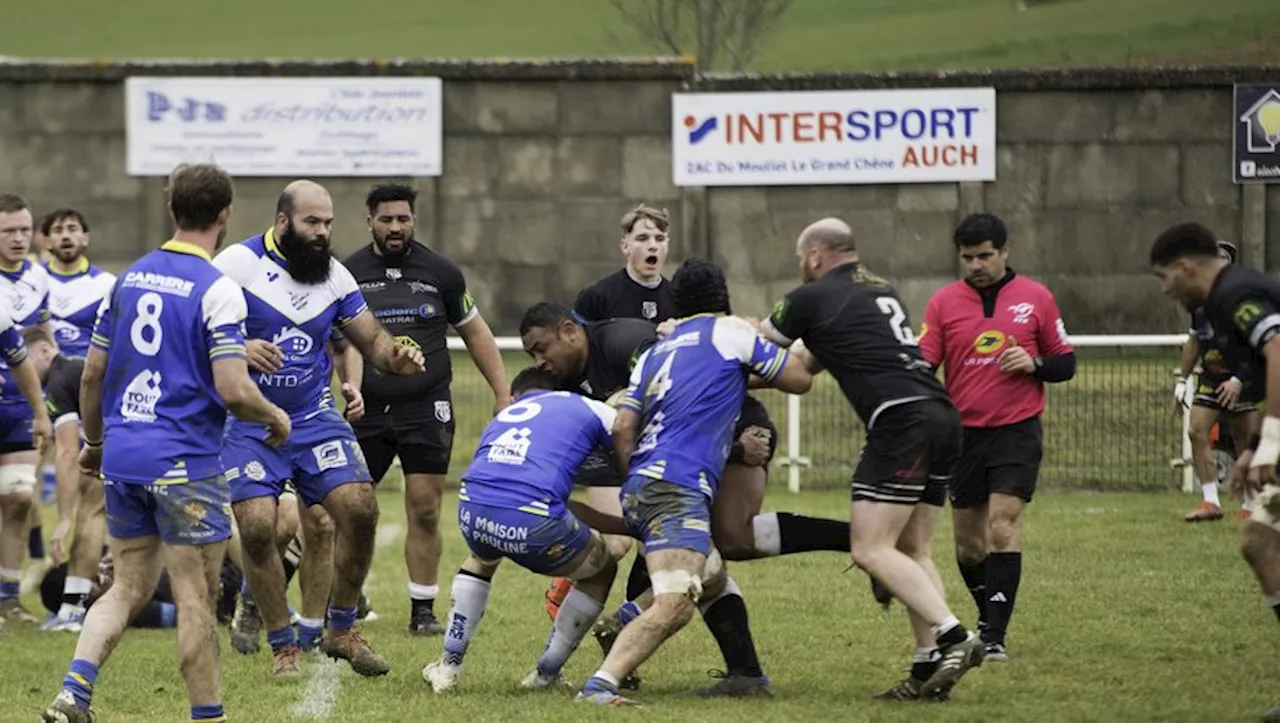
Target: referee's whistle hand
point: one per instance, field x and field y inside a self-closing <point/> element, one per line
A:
<point x="1016" y="360"/>
<point x="263" y="356"/>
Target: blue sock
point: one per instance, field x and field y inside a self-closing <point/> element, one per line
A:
<point x="79" y="680"/>
<point x="245" y="592"/>
<point x="9" y="590"/>
<point x="168" y="615"/>
<point x="35" y="543"/>
<point x="282" y="638"/>
<point x="309" y="633"/>
<point x="208" y="713"/>
<point x="628" y="611"/>
<point x="596" y="684"/>
<point x="341" y="618"/>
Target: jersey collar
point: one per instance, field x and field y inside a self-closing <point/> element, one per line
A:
<point x="992" y="290"/>
<point x="183" y="247"/>
<point x="81" y="266"/>
<point x="273" y="249"/>
<point x="22" y="266"/>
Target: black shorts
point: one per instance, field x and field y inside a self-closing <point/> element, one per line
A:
<point x="14" y="447"/>
<point x="599" y="470"/>
<point x="419" y="432"/>
<point x="1207" y="396"/>
<point x="753" y="414"/>
<point x="998" y="459"/>
<point x="909" y="455"/>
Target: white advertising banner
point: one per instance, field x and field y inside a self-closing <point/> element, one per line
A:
<point x="285" y="126"/>
<point x="834" y="137"/>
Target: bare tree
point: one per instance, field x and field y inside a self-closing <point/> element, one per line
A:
<point x="718" y="33"/>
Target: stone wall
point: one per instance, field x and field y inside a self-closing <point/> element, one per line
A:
<point x="542" y="158"/>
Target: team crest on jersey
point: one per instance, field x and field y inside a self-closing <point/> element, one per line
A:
<point x="649" y="309"/>
<point x="444" y="412"/>
<point x="394" y="274"/>
<point x="1022" y="312"/>
<point x="255" y="471"/>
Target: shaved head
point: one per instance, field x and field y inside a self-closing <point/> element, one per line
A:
<point x="300" y="192"/>
<point x="828" y="234"/>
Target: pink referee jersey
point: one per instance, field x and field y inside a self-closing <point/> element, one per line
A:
<point x="966" y="329"/>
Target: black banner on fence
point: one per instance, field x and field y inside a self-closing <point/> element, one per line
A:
<point x="1256" y="138"/>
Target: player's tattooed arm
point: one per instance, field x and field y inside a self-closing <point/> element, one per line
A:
<point x="380" y="348"/>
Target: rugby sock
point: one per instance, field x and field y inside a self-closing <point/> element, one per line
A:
<point x="1248" y="500"/>
<point x="422" y="596"/>
<point x="577" y="612"/>
<point x="291" y="559"/>
<point x="601" y="682"/>
<point x="726" y="618"/>
<point x="310" y="631"/>
<point x="1210" y="492"/>
<point x="79" y="680"/>
<point x="35" y="543"/>
<point x="975" y="578"/>
<point x="638" y="579"/>
<point x="75" y="593"/>
<point x="627" y="612"/>
<point x="341" y="619"/>
<point x="949" y="632"/>
<point x="282" y="638"/>
<point x="469" y="596"/>
<point x="10" y="584"/>
<point x="208" y="713"/>
<point x="782" y="533"/>
<point x="245" y="591"/>
<point x="924" y="663"/>
<point x="1004" y="572"/>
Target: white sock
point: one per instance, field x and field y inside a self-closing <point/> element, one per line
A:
<point x="11" y="575"/>
<point x="313" y="623"/>
<point x="470" y="596"/>
<point x="606" y="677"/>
<point x="943" y="627"/>
<point x="768" y="537"/>
<point x="577" y="613"/>
<point x="77" y="586"/>
<point x="423" y="592"/>
<point x="730" y="588"/>
<point x="1210" y="492"/>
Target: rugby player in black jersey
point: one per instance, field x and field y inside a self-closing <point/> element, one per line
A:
<point x="637" y="290"/>
<point x="1245" y="304"/>
<point x="854" y="325"/>
<point x="418" y="295"/>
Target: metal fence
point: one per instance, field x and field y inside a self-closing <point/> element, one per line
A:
<point x="1112" y="427"/>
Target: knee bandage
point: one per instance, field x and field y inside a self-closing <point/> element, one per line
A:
<point x="597" y="558"/>
<point x="676" y="582"/>
<point x="17" y="478"/>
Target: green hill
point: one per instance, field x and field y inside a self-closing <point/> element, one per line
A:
<point x="814" y="35"/>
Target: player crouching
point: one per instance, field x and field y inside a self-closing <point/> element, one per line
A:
<point x="514" y="504"/>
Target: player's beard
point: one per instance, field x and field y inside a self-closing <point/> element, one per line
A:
<point x="393" y="256"/>
<point x="305" y="261"/>
<point x="68" y="255"/>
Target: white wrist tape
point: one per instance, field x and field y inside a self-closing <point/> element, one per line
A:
<point x="1269" y="447"/>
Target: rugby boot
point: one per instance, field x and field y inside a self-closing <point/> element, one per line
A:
<point x="350" y="645"/>
<point x="287" y="663"/>
<point x="63" y="709"/>
<point x="442" y="678"/>
<point x="605" y="699"/>
<point x="605" y="631"/>
<point x="1204" y="512"/>
<point x="246" y="626"/>
<point x="15" y="611"/>
<point x="736" y="685"/>
<point x="909" y="689"/>
<point x="956" y="660"/>
<point x="996" y="653"/>
<point x="535" y="680"/>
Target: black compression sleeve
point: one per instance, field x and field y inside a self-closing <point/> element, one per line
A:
<point x="1056" y="368"/>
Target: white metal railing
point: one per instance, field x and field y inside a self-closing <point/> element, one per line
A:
<point x="795" y="459"/>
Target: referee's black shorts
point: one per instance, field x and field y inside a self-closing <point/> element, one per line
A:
<point x="1003" y="460"/>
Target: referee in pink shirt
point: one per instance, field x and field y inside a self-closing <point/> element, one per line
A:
<point x="998" y="338"/>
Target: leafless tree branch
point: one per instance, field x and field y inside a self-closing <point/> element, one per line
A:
<point x="713" y="30"/>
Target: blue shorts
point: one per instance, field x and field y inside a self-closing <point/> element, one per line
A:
<point x="197" y="512"/>
<point x="320" y="455"/>
<point x="537" y="543"/>
<point x="667" y="516"/>
<point x="15" y="428"/>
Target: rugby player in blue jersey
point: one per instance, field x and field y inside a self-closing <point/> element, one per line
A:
<point x="514" y="504"/>
<point x="166" y="364"/>
<point x="297" y="293"/>
<point x="673" y="434"/>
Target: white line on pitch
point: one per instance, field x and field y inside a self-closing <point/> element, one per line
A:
<point x="322" y="690"/>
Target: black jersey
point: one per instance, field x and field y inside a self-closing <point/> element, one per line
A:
<point x="1221" y="356"/>
<point x="854" y="324"/>
<point x="1246" y="304"/>
<point x="417" y="300"/>
<point x="62" y="389"/>
<point x="618" y="296"/>
<point x="612" y="348"/>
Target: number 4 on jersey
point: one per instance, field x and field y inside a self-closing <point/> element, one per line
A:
<point x="890" y="307"/>
<point x="661" y="382"/>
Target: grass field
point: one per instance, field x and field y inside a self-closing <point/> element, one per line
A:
<point x="1110" y="428"/>
<point x="814" y="35"/>
<point x="1125" y="614"/>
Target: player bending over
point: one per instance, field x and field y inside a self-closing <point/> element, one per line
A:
<point x="514" y="504"/>
<point x="672" y="435"/>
